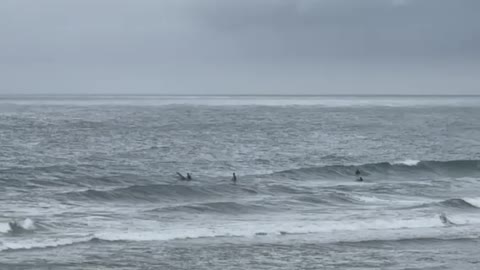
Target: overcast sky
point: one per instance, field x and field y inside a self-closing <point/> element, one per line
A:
<point x="240" y="46"/>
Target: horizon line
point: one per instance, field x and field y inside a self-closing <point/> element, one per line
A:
<point x="234" y="95"/>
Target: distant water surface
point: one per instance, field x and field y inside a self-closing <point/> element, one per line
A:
<point x="88" y="182"/>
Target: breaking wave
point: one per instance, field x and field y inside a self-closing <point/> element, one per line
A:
<point x="44" y="244"/>
<point x="454" y="167"/>
<point x="429" y="227"/>
<point x="18" y="227"/>
<point x="455" y="203"/>
<point x="458" y="203"/>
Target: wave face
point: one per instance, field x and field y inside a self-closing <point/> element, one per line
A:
<point x="458" y="203"/>
<point x="91" y="183"/>
<point x="156" y="193"/>
<point x="407" y="168"/>
<point x="383" y="169"/>
<point x="230" y="208"/>
<point x="211" y="188"/>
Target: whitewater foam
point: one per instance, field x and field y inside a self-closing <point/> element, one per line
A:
<point x="4" y="227"/>
<point x="16" y="227"/>
<point x="26" y="244"/>
<point x="408" y="162"/>
<point x="473" y="201"/>
<point x="329" y="230"/>
<point x="320" y="230"/>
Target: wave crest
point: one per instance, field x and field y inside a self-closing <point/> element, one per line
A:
<point x="453" y="167"/>
<point x="458" y="203"/>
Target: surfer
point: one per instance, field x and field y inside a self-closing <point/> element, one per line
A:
<point x="15" y="228"/>
<point x="189" y="177"/>
<point x="234" y="179"/>
<point x="13" y="225"/>
<point x="445" y="220"/>
<point x="183" y="178"/>
<point x="357" y="174"/>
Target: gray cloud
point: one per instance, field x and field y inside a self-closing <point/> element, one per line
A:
<point x="239" y="47"/>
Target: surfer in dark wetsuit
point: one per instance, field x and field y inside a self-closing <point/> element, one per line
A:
<point x="357" y="174"/>
<point x="15" y="228"/>
<point x="13" y="225"/>
<point x="183" y="178"/>
<point x="234" y="179"/>
<point x="445" y="220"/>
<point x="189" y="177"/>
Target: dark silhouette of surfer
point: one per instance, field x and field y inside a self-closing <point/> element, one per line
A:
<point x="16" y="228"/>
<point x="234" y="179"/>
<point x="445" y="220"/>
<point x="357" y="174"/>
<point x="183" y="178"/>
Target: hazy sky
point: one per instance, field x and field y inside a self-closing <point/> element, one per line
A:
<point x="240" y="46"/>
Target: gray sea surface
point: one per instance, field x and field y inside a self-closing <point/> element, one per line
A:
<point x="89" y="182"/>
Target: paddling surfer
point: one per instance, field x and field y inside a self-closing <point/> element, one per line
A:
<point x="357" y="174"/>
<point x="234" y="179"/>
<point x="183" y="178"/>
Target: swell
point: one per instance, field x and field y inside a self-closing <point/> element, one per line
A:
<point x="262" y="206"/>
<point x="216" y="192"/>
<point x="448" y="168"/>
<point x="159" y="192"/>
<point x="213" y="207"/>
<point x="62" y="175"/>
<point x="330" y="199"/>
<point x="81" y="175"/>
<point x="458" y="203"/>
<point x="455" y="203"/>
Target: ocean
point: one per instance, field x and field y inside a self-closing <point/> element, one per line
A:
<point x="89" y="182"/>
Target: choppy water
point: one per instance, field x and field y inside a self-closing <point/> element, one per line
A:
<point x="90" y="182"/>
